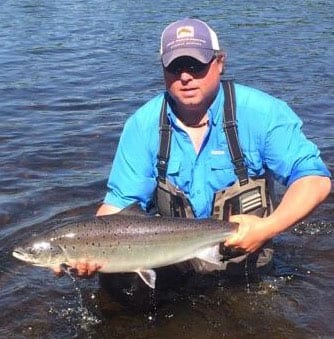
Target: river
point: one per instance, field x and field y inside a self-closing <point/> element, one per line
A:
<point x="72" y="72"/>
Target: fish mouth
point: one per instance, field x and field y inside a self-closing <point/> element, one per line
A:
<point x="21" y="254"/>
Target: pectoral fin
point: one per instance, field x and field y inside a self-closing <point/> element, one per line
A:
<point x="210" y="254"/>
<point x="210" y="259"/>
<point x="148" y="276"/>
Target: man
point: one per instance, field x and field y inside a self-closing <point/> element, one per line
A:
<point x="190" y="164"/>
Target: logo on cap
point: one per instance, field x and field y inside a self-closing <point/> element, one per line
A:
<point x="185" y="32"/>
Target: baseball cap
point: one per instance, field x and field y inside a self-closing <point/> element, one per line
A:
<point x="188" y="37"/>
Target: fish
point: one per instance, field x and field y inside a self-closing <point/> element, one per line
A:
<point x="121" y="243"/>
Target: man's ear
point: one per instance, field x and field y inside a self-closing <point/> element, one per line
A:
<point x="221" y="58"/>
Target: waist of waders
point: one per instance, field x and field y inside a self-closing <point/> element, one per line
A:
<point x="256" y="197"/>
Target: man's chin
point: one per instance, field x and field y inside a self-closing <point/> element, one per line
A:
<point x="190" y="103"/>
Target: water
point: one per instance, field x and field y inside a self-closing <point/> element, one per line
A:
<point x="71" y="73"/>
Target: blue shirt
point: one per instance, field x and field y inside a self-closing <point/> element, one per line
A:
<point x="269" y="134"/>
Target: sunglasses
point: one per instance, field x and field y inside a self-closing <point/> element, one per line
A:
<point x="188" y="65"/>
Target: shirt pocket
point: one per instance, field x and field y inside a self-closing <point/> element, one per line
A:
<point x="179" y="174"/>
<point x="174" y="167"/>
<point x="221" y="172"/>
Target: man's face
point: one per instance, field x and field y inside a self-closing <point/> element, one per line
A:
<point x="191" y="84"/>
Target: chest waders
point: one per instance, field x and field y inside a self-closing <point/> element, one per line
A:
<point x="245" y="196"/>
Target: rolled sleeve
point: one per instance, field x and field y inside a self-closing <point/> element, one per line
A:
<point x="288" y="153"/>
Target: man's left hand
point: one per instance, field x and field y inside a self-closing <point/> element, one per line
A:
<point x="251" y="235"/>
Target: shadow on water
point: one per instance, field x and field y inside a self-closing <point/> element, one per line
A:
<point x="194" y="306"/>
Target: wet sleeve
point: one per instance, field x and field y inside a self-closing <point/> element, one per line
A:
<point x="132" y="176"/>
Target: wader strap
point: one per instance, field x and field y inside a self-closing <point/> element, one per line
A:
<point x="165" y="138"/>
<point x="230" y="128"/>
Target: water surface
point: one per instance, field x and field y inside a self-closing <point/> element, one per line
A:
<point x="72" y="72"/>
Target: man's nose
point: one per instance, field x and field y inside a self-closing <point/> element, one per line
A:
<point x="185" y="75"/>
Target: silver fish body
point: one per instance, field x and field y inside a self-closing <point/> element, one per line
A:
<point x="130" y="243"/>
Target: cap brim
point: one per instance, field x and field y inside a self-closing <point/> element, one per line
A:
<point x="202" y="55"/>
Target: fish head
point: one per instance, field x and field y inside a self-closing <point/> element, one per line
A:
<point x="41" y="253"/>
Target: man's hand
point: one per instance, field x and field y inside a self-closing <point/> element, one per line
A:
<point x="298" y="201"/>
<point x="82" y="268"/>
<point x="252" y="233"/>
